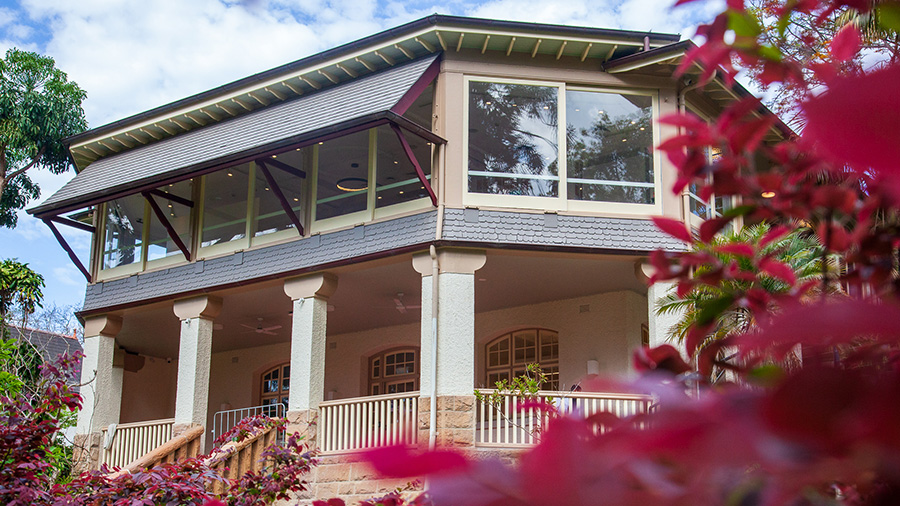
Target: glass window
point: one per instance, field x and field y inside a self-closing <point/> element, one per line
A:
<point x="420" y="111"/>
<point x="513" y="139"/>
<point x="609" y="154"/>
<point x="396" y="178"/>
<point x="343" y="176"/>
<point x="159" y="244"/>
<point x="400" y="371"/>
<point x="529" y="346"/>
<point x="275" y="385"/>
<point x="269" y="213"/>
<point x="123" y="243"/>
<point x="225" y="205"/>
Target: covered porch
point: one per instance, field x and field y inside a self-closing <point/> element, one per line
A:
<point x="351" y="349"/>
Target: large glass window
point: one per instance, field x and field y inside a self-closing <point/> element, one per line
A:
<point x="396" y="177"/>
<point x="275" y="385"/>
<point x="609" y="152"/>
<point x="159" y="244"/>
<point x="269" y="213"/>
<point x="508" y="355"/>
<point x="513" y="139"/>
<point x="225" y="205"/>
<point x="394" y="371"/>
<point x="123" y="240"/>
<point x="343" y="176"/>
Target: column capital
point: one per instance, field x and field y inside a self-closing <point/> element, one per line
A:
<point x="320" y="285"/>
<point x="204" y="306"/>
<point x="451" y="260"/>
<point x="104" y="325"/>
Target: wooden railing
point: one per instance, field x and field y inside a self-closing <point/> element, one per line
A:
<point x="183" y="446"/>
<point x="368" y="422"/>
<point x="124" y="443"/>
<point x="509" y="425"/>
<point x="235" y="458"/>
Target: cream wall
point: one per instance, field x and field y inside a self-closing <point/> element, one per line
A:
<point x="149" y="394"/>
<point x="608" y="332"/>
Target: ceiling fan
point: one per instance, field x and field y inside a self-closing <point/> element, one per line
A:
<point x="400" y="306"/>
<point x="259" y="329"/>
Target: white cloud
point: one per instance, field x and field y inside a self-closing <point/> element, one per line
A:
<point x="68" y="276"/>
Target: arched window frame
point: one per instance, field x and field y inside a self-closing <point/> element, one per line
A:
<point x="274" y="384"/>
<point x="507" y="355"/>
<point x="380" y="381"/>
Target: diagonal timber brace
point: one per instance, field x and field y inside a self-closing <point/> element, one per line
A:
<point x="65" y="245"/>
<point x="412" y="158"/>
<point x="168" y="226"/>
<point x="280" y="195"/>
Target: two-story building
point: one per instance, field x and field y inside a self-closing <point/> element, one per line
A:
<point x="365" y="236"/>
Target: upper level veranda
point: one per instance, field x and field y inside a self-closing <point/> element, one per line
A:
<point x="446" y="130"/>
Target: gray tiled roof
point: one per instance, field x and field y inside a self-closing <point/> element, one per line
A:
<point x="518" y="228"/>
<point x="49" y="344"/>
<point x="216" y="143"/>
<point x="268" y="261"/>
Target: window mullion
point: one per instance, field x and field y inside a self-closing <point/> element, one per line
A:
<point x="562" y="151"/>
<point x="373" y="159"/>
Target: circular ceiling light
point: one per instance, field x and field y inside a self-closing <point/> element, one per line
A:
<point x="352" y="184"/>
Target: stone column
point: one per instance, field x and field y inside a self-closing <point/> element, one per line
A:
<point x="660" y="325"/>
<point x="308" y="330"/>
<point x="194" y="354"/>
<point x="455" y="369"/>
<point x="101" y="391"/>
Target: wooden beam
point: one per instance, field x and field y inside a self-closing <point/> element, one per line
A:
<point x="151" y="134"/>
<point x="180" y="124"/>
<point x="405" y="51"/>
<point x="512" y="42"/>
<point x="459" y="42"/>
<point x="298" y="91"/>
<point x="537" y="45"/>
<point x="611" y="51"/>
<point x="387" y="59"/>
<point x="211" y="115"/>
<point x="92" y="150"/>
<point x="227" y="111"/>
<point x="195" y="120"/>
<point x="587" y="50"/>
<point x="427" y="45"/>
<point x="65" y="245"/>
<point x="62" y="220"/>
<point x="311" y="82"/>
<point x="561" y="49"/>
<point x="174" y="198"/>
<point x="441" y="40"/>
<point x="288" y="210"/>
<point x="487" y="39"/>
<point x="412" y="158"/>
<point x="127" y="145"/>
<point x="257" y="98"/>
<point x="107" y="146"/>
<point x="245" y="106"/>
<point x="329" y="76"/>
<point x="129" y="134"/>
<point x="168" y="226"/>
<point x="164" y="129"/>
<point x="278" y="164"/>
<point x="277" y="95"/>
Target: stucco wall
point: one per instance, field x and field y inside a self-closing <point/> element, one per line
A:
<point x="149" y="394"/>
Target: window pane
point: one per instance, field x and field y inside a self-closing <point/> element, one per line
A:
<point x="525" y="346"/>
<point x="609" y="147"/>
<point x="225" y="205"/>
<point x="549" y="345"/>
<point x="513" y="139"/>
<point x="270" y="215"/>
<point x="124" y="227"/>
<point x="421" y="110"/>
<point x="159" y="244"/>
<point x="343" y="176"/>
<point x="396" y="178"/>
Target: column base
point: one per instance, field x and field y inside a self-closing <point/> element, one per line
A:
<point x="455" y="420"/>
<point x="304" y="422"/>
<point x="85" y="452"/>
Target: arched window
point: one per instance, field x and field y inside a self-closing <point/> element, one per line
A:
<point x="394" y="371"/>
<point x="507" y="356"/>
<point x="275" y="384"/>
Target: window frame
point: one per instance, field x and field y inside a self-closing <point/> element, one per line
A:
<point x="561" y="202"/>
<point x="281" y="393"/>
<point x="512" y="367"/>
<point x="382" y="381"/>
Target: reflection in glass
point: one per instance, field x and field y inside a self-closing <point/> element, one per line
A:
<point x="396" y="178"/>
<point x="270" y="215"/>
<point x="609" y="140"/>
<point x="159" y="244"/>
<point x="225" y="205"/>
<point x="124" y="227"/>
<point x="343" y="176"/>
<point x="513" y="139"/>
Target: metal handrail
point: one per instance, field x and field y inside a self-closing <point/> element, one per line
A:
<point x="223" y="421"/>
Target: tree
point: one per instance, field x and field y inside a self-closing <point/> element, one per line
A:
<point x="39" y="107"/>
<point x="19" y="286"/>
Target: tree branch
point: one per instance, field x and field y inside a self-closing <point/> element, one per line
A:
<point x="23" y="169"/>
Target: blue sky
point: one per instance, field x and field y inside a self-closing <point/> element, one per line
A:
<point x="133" y="55"/>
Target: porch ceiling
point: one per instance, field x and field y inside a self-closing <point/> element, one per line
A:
<point x="366" y="293"/>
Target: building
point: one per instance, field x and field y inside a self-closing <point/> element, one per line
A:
<point x="269" y="242"/>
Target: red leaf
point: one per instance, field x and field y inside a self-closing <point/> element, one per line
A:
<point x="846" y="43"/>
<point x="739" y="249"/>
<point x="833" y="236"/>
<point x="661" y="358"/>
<point x="773" y="235"/>
<point x="674" y="228"/>
<point x="709" y="228"/>
<point x="856" y="121"/>
<point x="778" y="270"/>
<point x="401" y="462"/>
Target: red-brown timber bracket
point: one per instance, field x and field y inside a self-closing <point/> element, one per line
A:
<point x="65" y="244"/>
<point x="417" y="88"/>
<point x="412" y="159"/>
<point x="165" y="222"/>
<point x="280" y="195"/>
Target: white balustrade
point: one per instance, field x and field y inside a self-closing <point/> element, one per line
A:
<point x="123" y="443"/>
<point x="368" y="422"/>
<point x="516" y="422"/>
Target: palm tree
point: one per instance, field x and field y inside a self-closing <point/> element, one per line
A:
<point x="800" y="250"/>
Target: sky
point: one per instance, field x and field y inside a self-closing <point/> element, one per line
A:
<point x="133" y="55"/>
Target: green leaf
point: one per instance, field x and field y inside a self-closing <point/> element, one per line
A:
<point x="713" y="308"/>
<point x="766" y="375"/>
<point x="889" y="16"/>
<point x="743" y="24"/>
<point x="770" y="53"/>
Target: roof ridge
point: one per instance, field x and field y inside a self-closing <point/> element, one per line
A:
<point x="48" y="332"/>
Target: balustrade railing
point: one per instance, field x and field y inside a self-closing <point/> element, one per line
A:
<point x="223" y="421"/>
<point x="515" y="421"/>
<point x="368" y="422"/>
<point x="126" y="442"/>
